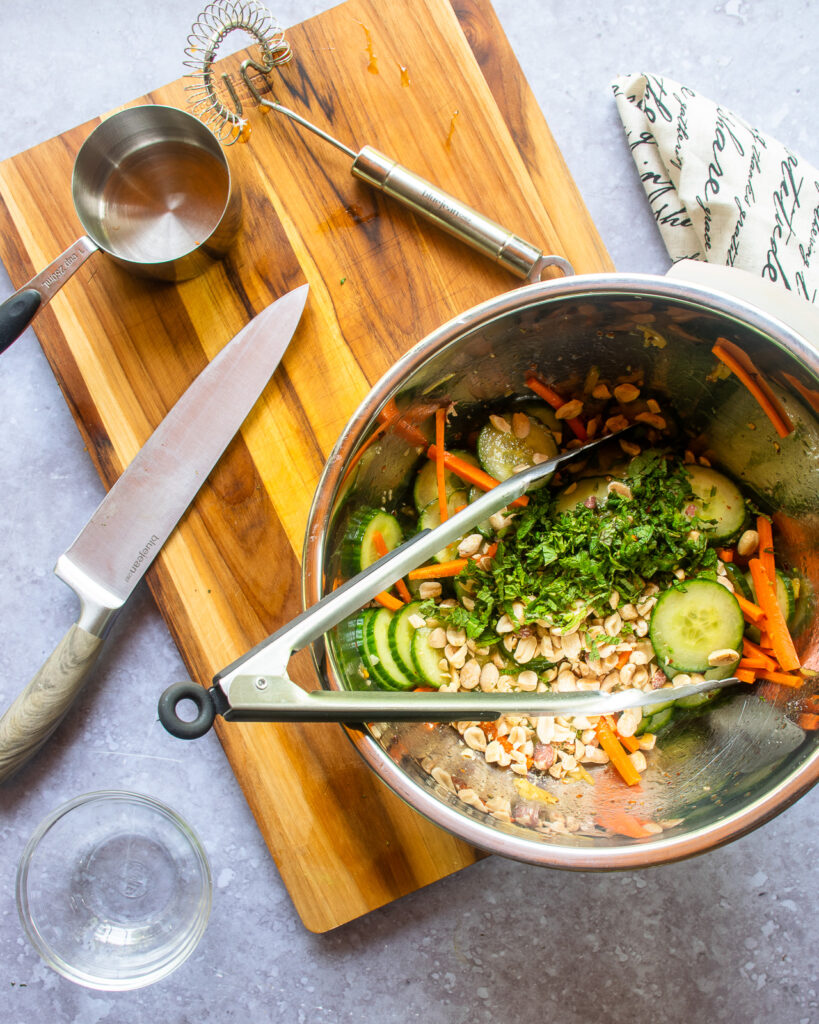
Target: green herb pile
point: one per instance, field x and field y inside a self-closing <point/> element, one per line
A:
<point x="563" y="565"/>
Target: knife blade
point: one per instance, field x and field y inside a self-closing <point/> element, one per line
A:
<point x="126" y="532"/>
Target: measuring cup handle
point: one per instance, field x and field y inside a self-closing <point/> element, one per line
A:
<point x="453" y="216"/>
<point x="16" y="313"/>
<point x="19" y="309"/>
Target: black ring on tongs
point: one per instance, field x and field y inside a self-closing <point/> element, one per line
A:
<point x="179" y="727"/>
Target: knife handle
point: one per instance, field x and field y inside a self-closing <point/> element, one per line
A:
<point x="39" y="709"/>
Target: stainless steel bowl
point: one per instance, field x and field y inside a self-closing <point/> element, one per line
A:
<point x="723" y="773"/>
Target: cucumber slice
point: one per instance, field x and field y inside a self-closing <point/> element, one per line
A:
<point x="659" y="720"/>
<point x="546" y="415"/>
<point x="414" y="587"/>
<point x="400" y="634"/>
<point x="803" y="604"/>
<point x="347" y="642"/>
<point x="372" y="663"/>
<point x="737" y="577"/>
<point x="655" y="709"/>
<point x="378" y="643"/>
<point x="425" y="489"/>
<point x="696" y="700"/>
<point x="426" y="659"/>
<point x="784" y="594"/>
<point x="717" y="499"/>
<point x="431" y="517"/>
<point x="589" y="487"/>
<point x="690" y="620"/>
<point x="500" y="451"/>
<point x="358" y="550"/>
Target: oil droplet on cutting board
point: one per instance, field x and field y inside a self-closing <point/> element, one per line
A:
<point x="448" y="142"/>
<point x="372" y="66"/>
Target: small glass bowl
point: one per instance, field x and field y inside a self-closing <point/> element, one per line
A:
<point x="114" y="890"/>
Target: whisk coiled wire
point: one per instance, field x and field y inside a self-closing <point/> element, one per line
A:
<point x="208" y="32"/>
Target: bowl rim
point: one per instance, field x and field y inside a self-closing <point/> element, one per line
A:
<point x="118" y="980"/>
<point x="460" y="823"/>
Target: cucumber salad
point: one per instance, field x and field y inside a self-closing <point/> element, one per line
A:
<point x="629" y="571"/>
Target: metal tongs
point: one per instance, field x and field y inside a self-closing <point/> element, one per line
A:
<point x="256" y="688"/>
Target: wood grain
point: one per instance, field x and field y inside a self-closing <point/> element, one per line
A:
<point x="124" y="349"/>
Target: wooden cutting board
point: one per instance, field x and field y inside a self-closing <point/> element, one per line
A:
<point x="435" y="85"/>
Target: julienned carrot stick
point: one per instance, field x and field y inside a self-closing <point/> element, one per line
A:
<point x="751" y="650"/>
<point x="766" y="548"/>
<point x="623" y="824"/>
<point x="785" y="678"/>
<point x="440" y="468"/>
<point x="752" y="612"/>
<point x="631" y="743"/>
<point x="391" y="415"/>
<point x="381" y="547"/>
<point x="775" y="623"/>
<point x="439" y="571"/>
<point x="545" y="392"/>
<point x="471" y="474"/>
<point x="808" y="720"/>
<point x="617" y="755"/>
<point x="556" y="400"/>
<point x="810" y="395"/>
<point x="725" y="554"/>
<point x="757" y="663"/>
<point x="389" y="412"/>
<point x="739" y="364"/>
<point x="744" y="360"/>
<point x="388" y="601"/>
<point x="745" y="675"/>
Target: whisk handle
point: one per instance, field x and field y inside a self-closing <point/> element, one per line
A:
<point x="453" y="216"/>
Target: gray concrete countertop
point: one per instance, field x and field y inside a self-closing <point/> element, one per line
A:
<point x="729" y="936"/>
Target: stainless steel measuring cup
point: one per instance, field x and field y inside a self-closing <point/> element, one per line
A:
<point x="152" y="189"/>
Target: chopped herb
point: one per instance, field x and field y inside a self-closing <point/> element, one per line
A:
<point x="562" y="566"/>
<point x="594" y="642"/>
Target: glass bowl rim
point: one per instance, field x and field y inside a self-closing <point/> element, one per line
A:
<point x="118" y="981"/>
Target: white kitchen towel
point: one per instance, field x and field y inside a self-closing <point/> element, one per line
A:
<point x="720" y="190"/>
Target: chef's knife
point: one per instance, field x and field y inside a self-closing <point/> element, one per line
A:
<point x="124" y="535"/>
